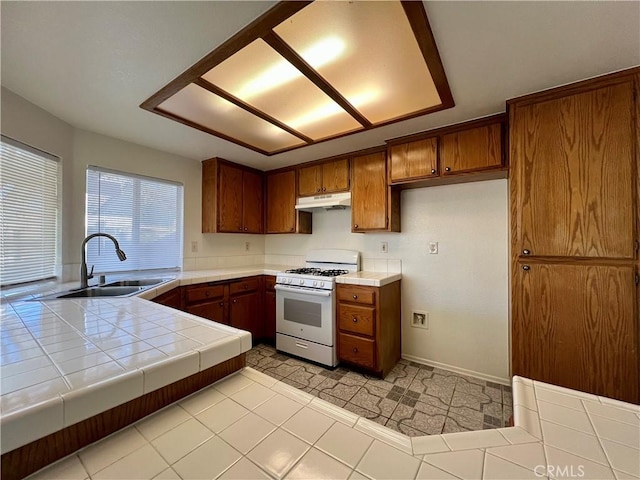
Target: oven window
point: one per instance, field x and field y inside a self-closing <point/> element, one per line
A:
<point x="304" y="312"/>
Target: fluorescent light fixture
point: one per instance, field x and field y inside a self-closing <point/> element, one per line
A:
<point x="283" y="82"/>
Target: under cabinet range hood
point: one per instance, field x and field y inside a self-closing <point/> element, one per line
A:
<point x="329" y="201"/>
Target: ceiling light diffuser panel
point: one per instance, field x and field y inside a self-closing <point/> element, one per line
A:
<point x="308" y="72"/>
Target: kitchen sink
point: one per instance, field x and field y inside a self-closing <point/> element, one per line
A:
<point x="145" y="282"/>
<point x="121" y="288"/>
<point x="106" y="291"/>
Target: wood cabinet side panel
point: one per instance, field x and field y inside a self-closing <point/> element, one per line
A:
<point x="209" y="196"/>
<point x="388" y="326"/>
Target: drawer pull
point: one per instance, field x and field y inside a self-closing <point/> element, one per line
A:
<point x="355" y="349"/>
<point x="355" y="320"/>
<point x="355" y="297"/>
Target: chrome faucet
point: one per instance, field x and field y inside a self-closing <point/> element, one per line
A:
<point x="84" y="275"/>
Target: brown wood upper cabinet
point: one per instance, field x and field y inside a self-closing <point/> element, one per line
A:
<point x="232" y="198"/>
<point x="575" y="222"/>
<point x="374" y="205"/>
<point x="473" y="149"/>
<point x="412" y="160"/>
<point x="281" y="215"/>
<point x="327" y="177"/>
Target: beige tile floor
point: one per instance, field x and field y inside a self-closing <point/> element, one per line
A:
<point x="246" y="426"/>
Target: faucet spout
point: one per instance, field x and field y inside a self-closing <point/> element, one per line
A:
<point x="84" y="274"/>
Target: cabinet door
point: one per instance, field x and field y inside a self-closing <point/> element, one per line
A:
<point x="309" y="180"/>
<point x="413" y="160"/>
<point x="252" y="209"/>
<point x="574" y="326"/>
<point x="229" y="210"/>
<point x="572" y="160"/>
<point x="212" y="311"/>
<point x="245" y="312"/>
<point x="335" y="176"/>
<point x="281" y="201"/>
<point x="474" y="149"/>
<point x="172" y="298"/>
<point x="369" y="193"/>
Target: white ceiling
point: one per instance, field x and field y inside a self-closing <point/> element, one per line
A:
<point x="92" y="63"/>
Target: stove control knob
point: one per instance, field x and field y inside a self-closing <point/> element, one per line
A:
<point x="322" y="284"/>
<point x="315" y="283"/>
<point x="301" y="282"/>
<point x="289" y="280"/>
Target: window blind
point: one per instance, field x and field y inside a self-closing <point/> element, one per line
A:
<point x="28" y="213"/>
<point x="144" y="214"/>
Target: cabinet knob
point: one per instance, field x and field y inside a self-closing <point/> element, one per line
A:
<point x="526" y="268"/>
<point x="221" y="304"/>
<point x="433" y="170"/>
<point x="235" y="301"/>
<point x="447" y="169"/>
<point x="317" y="190"/>
<point x="355" y="226"/>
<point x="245" y="229"/>
<point x="526" y="252"/>
<point x="291" y="229"/>
<point x="324" y="189"/>
<point x="355" y="297"/>
<point x="355" y="320"/>
<point x="245" y="286"/>
<point x="207" y="294"/>
<point x="355" y="349"/>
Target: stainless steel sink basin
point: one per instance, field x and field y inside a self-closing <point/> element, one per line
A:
<point x="145" y="282"/>
<point x="106" y="291"/>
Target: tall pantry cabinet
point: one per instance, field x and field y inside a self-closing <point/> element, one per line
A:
<point x="575" y="228"/>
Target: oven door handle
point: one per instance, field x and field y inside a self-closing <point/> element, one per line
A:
<point x="305" y="291"/>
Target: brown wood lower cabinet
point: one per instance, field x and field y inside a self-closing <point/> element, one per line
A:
<point x="573" y="326"/>
<point x="270" y="308"/>
<point x="238" y="303"/>
<point x="369" y="326"/>
<point x="245" y="306"/>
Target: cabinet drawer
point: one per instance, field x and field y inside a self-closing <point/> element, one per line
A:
<point x="244" y="286"/>
<point x="204" y="292"/>
<point x="353" y="318"/>
<point x="356" y="294"/>
<point x="360" y="351"/>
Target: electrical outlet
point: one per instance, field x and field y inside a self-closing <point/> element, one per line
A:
<point x="433" y="248"/>
<point x="247" y="246"/>
<point x="194" y="246"/>
<point x="420" y="319"/>
<point x="384" y="247"/>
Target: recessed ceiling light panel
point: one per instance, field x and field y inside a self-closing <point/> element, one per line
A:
<point x="306" y="72"/>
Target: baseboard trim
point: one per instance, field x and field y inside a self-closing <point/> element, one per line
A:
<point x="464" y="371"/>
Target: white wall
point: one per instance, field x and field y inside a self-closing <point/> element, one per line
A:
<point x="464" y="288"/>
<point x="77" y="148"/>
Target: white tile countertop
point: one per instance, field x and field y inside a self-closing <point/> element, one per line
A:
<point x="370" y="279"/>
<point x="65" y="360"/>
<point x="250" y="425"/>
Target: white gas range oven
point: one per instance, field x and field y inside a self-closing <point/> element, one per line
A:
<point x="306" y="305"/>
